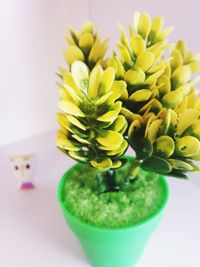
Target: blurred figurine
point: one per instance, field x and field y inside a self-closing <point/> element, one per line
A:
<point x="23" y="167"/>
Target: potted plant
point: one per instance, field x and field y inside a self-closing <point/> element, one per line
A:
<point x="137" y="98"/>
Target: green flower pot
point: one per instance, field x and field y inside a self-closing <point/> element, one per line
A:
<point x="105" y="247"/>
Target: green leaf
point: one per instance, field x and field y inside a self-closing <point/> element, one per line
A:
<point x="177" y="174"/>
<point x="156" y="164"/>
<point x="142" y="147"/>
<point x="180" y="165"/>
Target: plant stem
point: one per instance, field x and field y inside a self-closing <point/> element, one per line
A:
<point x="106" y="181"/>
<point x="131" y="175"/>
<point x="101" y="185"/>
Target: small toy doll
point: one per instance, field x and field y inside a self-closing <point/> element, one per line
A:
<point x="23" y="167"/>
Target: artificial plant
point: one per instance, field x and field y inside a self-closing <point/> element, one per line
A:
<point x="142" y="97"/>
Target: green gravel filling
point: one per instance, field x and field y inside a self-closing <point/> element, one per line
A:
<point x="112" y="209"/>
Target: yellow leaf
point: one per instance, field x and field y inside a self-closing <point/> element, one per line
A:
<point x="97" y="51"/>
<point x="173" y="117"/>
<point x="187" y="146"/>
<point x="144" y="25"/>
<point x="165" y="115"/>
<point x="181" y="75"/>
<point x="157" y="67"/>
<point x="145" y="60"/>
<point x="153" y="130"/>
<point x="173" y="98"/>
<point x="119" y="68"/>
<point x="61" y="71"/>
<point x="70" y="108"/>
<point x="194" y="130"/>
<point x="138" y="44"/>
<point x="152" y="104"/>
<point x="123" y="37"/>
<point x="63" y="142"/>
<point x="72" y="95"/>
<point x="108" y="148"/>
<point x="95" y="78"/>
<point x="76" y="156"/>
<point x="117" y="106"/>
<point x="182" y="106"/>
<point x="150" y="117"/>
<point x="156" y="26"/>
<point x="141" y="95"/>
<point x="177" y="59"/>
<point x="186" y="119"/>
<point x="80" y="140"/>
<point x="88" y="27"/>
<point x="86" y="40"/>
<point x="107" y="80"/>
<point x="73" y="34"/>
<point x="62" y="120"/>
<point x="103" y="99"/>
<point x="164" y="34"/>
<point x="164" y="84"/>
<point x="130" y="115"/>
<point x="136" y="76"/>
<point x="131" y="31"/>
<point x="181" y="46"/>
<point x="134" y="127"/>
<point x="69" y="82"/>
<point x="153" y="77"/>
<point x="65" y="95"/>
<point x="124" y="53"/>
<point x="75" y="122"/>
<point x="108" y="116"/>
<point x="120" y="150"/>
<point x="69" y="40"/>
<point x="109" y="138"/>
<point x="118" y="88"/>
<point x="72" y="54"/>
<point x="101" y="164"/>
<point x="116" y="164"/>
<point x="118" y="124"/>
<point x="195" y="66"/>
<point x="165" y="146"/>
<point x="80" y="74"/>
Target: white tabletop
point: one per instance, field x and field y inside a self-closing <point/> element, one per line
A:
<point x="34" y="233"/>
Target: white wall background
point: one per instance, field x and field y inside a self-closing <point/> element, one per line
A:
<point x="32" y="40"/>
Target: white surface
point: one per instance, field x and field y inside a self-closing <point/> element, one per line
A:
<point x="33" y="231"/>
